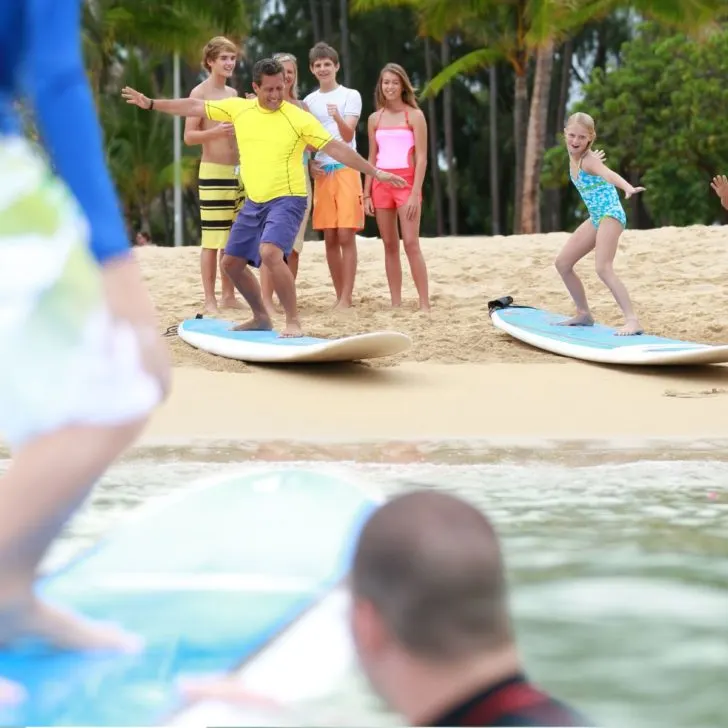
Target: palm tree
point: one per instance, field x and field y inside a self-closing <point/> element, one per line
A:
<point x="507" y="30"/>
<point x="432" y="137"/>
<point x="452" y="187"/>
<point x="120" y="34"/>
<point x="138" y="150"/>
<point x="515" y="30"/>
<point x="172" y="26"/>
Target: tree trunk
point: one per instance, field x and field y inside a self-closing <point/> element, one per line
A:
<point x="144" y="217"/>
<point x="536" y="140"/>
<point x="554" y="195"/>
<point x="433" y="137"/>
<point x="313" y="6"/>
<point x="494" y="163"/>
<point x="520" y="120"/>
<point x="191" y="211"/>
<point x="452" y="193"/>
<point x="344" y="30"/>
<point x="567" y="55"/>
<point x="600" y="57"/>
<point x="328" y="21"/>
<point x="166" y="217"/>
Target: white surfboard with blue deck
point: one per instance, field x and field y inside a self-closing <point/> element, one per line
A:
<point x="597" y="343"/>
<point x="224" y="577"/>
<point x="217" y="337"/>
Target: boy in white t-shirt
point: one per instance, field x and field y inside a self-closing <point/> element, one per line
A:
<point x="338" y="207"/>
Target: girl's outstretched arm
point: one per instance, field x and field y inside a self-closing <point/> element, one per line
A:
<point x="593" y="165"/>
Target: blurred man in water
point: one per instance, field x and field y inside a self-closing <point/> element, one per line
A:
<point x="430" y="620"/>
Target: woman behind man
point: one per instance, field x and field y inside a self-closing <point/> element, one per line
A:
<point x="398" y="143"/>
<point x="290" y="67"/>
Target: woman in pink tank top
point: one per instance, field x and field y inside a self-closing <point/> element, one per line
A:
<point x="398" y="143"/>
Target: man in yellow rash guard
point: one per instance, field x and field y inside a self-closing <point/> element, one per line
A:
<point x="272" y="135"/>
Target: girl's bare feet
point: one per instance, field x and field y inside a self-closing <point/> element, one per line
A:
<point x="631" y="328"/>
<point x="581" y="319"/>
<point x="292" y="330"/>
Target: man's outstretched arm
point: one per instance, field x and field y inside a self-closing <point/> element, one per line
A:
<point x="176" y="107"/>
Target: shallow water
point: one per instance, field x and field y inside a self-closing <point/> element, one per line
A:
<point x="619" y="572"/>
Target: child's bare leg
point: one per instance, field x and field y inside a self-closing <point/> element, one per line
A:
<point x="349" y="259"/>
<point x="293" y="259"/>
<point x="208" y="272"/>
<point x="334" y="259"/>
<point x="581" y="243"/>
<point x="608" y="235"/>
<point x="266" y="290"/>
<point x="48" y="480"/>
<point x="228" y="298"/>
<point x="389" y="232"/>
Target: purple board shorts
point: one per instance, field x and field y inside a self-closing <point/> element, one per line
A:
<point x="276" y="221"/>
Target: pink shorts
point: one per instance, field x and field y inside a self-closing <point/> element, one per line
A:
<point x="388" y="197"/>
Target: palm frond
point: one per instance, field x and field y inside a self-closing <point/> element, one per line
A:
<point x="481" y="58"/>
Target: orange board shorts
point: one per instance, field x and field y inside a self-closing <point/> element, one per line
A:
<point x="338" y="200"/>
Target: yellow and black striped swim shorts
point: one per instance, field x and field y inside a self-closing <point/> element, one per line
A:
<point x="221" y="196"/>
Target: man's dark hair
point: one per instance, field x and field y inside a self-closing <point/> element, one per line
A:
<point x="266" y="67"/>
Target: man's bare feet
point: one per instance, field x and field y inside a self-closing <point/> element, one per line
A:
<point x="11" y="693"/>
<point x="232" y="303"/>
<point x="581" y="319"/>
<point x="631" y="328"/>
<point x="63" y="629"/>
<point x="292" y="330"/>
<point x="210" y="306"/>
<point x="257" y="323"/>
<point x="424" y="307"/>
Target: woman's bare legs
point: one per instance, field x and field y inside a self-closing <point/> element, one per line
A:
<point x="411" y="241"/>
<point x="387" y="224"/>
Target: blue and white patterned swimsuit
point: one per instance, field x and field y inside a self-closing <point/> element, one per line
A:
<point x="600" y="197"/>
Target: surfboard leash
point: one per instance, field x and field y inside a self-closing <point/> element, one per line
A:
<point x="173" y="330"/>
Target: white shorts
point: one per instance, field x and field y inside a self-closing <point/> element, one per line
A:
<point x="63" y="359"/>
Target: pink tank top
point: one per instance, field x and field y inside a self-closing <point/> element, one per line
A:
<point x="395" y="144"/>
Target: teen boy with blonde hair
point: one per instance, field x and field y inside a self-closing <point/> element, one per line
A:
<point x="220" y="190"/>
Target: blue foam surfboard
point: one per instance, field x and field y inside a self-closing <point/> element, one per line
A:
<point x="208" y="579"/>
<point x="597" y="343"/>
<point x="217" y="337"/>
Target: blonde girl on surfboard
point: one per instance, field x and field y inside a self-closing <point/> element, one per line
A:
<point x="597" y="185"/>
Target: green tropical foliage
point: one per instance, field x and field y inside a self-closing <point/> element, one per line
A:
<point x="661" y="116"/>
<point x="496" y="79"/>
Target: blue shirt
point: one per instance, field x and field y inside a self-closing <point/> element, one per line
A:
<point x="41" y="63"/>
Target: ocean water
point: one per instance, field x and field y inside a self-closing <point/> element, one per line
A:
<point x="618" y="570"/>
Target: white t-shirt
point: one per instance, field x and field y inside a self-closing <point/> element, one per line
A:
<point x="349" y="102"/>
